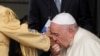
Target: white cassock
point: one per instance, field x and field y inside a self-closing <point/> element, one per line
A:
<point x="84" y="44"/>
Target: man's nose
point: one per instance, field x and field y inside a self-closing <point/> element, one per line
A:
<point x="54" y="38"/>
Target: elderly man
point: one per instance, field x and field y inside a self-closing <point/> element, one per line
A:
<point x="10" y="28"/>
<point x="72" y="40"/>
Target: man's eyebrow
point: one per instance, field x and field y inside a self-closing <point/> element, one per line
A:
<point x="54" y="33"/>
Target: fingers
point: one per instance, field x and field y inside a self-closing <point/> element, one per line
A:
<point x="55" y="49"/>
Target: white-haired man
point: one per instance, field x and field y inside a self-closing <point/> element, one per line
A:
<point x="72" y="40"/>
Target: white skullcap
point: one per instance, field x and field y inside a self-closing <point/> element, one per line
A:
<point x="64" y="19"/>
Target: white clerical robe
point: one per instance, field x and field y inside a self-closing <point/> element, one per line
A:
<point x="84" y="44"/>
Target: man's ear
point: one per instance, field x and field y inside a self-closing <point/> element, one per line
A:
<point x="71" y="31"/>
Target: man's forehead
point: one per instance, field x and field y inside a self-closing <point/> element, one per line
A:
<point x="54" y="25"/>
<point x="55" y="29"/>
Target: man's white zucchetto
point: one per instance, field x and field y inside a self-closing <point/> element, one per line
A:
<point x="64" y="19"/>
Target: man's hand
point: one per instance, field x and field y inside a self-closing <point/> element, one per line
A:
<point x="52" y="42"/>
<point x="48" y="32"/>
<point x="55" y="50"/>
